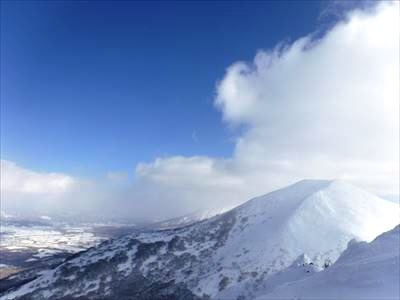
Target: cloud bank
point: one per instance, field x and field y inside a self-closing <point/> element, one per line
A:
<point x="315" y="108"/>
<point x="326" y="108"/>
<point x="24" y="190"/>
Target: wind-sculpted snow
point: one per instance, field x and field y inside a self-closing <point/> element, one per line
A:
<point x="285" y="235"/>
<point x="188" y="219"/>
<point x="363" y="271"/>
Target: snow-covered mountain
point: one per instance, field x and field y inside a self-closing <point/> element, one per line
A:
<point x="228" y="256"/>
<point x="363" y="271"/>
<point x="187" y="219"/>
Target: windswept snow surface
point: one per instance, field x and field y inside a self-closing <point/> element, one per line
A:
<point x="188" y="219"/>
<point x="270" y="240"/>
<point x="363" y="271"/>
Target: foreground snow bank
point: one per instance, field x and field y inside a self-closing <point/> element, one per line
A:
<point x="363" y="271"/>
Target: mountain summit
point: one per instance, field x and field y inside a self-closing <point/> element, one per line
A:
<point x="226" y="256"/>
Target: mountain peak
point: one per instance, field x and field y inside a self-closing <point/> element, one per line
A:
<point x="315" y="182"/>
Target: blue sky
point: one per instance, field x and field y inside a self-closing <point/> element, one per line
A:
<point x="157" y="109"/>
<point x="97" y="86"/>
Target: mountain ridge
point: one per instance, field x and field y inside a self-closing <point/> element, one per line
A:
<point x="225" y="256"/>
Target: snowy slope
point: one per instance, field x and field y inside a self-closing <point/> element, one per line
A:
<point x="363" y="271"/>
<point x="292" y="230"/>
<point x="188" y="219"/>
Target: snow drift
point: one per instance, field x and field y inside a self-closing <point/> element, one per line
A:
<point x="363" y="271"/>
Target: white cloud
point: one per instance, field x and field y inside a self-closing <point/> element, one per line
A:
<point x="15" y="179"/>
<point x="30" y="193"/>
<point x="178" y="185"/>
<point x="331" y="104"/>
<point x="26" y="191"/>
<point x="179" y="171"/>
<point x="326" y="108"/>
